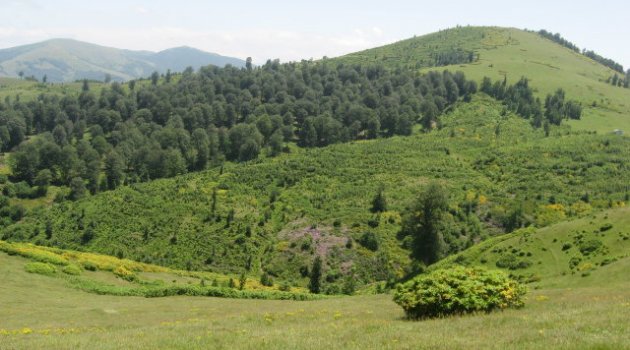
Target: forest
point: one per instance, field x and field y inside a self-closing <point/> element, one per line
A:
<point x="177" y="123"/>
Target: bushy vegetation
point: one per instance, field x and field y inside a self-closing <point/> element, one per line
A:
<point x="40" y="268"/>
<point x="277" y="214"/>
<point x="458" y="291"/>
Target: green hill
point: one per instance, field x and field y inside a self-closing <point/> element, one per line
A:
<point x="513" y="53"/>
<point x="593" y="250"/>
<point x="66" y="60"/>
<point x="547" y="205"/>
<point x="276" y="214"/>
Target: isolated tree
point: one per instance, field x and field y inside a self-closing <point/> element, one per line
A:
<point x="45" y="79"/>
<point x="21" y="74"/>
<point x="108" y="78"/>
<point x="86" y="86"/>
<point x="424" y="222"/>
<point x="379" y="203"/>
<point x="315" y="282"/>
<point x="241" y="281"/>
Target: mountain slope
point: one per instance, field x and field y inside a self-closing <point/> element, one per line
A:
<point x="513" y="53"/>
<point x="275" y="214"/>
<point x="65" y="60"/>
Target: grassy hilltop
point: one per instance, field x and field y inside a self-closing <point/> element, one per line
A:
<point x="514" y="53"/>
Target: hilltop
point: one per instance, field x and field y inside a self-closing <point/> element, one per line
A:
<point x="511" y="53"/>
<point x="67" y="60"/>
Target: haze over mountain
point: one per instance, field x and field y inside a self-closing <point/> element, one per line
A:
<point x="64" y="60"/>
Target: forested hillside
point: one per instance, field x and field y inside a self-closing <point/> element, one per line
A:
<point x="268" y="168"/>
<point x="275" y="215"/>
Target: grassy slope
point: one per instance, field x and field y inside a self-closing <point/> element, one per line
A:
<point x="517" y="53"/>
<point x="100" y="273"/>
<point x="40" y="312"/>
<point x="551" y="253"/>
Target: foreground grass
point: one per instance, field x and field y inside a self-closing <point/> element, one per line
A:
<point x="40" y="312"/>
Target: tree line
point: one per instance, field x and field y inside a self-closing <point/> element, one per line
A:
<point x="176" y="123"/>
<point x="620" y="80"/>
<point x="557" y="38"/>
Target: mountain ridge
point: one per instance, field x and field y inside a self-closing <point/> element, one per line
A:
<point x="66" y="60"/>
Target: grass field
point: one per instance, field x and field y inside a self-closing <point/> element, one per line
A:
<point x="562" y="310"/>
<point x="40" y="312"/>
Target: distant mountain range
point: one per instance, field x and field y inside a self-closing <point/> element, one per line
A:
<point x="64" y="60"/>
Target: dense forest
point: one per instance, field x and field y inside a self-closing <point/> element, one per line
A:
<point x="175" y="124"/>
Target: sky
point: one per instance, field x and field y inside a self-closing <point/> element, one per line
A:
<point x="295" y="30"/>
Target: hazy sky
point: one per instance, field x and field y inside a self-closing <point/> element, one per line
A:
<point x="293" y="30"/>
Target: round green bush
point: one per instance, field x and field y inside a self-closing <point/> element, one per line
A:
<point x="72" y="270"/>
<point x="459" y="290"/>
<point x="40" y="268"/>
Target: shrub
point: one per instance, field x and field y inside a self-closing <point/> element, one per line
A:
<point x="124" y="273"/>
<point x="369" y="240"/>
<point x="72" y="270"/>
<point x="88" y="265"/>
<point x="458" y="290"/>
<point x="605" y="227"/>
<point x="510" y="261"/>
<point x="590" y="246"/>
<point x="40" y="268"/>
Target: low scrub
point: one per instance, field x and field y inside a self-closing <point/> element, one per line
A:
<point x="73" y="270"/>
<point x="188" y="290"/>
<point x="458" y="291"/>
<point x="40" y="268"/>
<point x="32" y="252"/>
